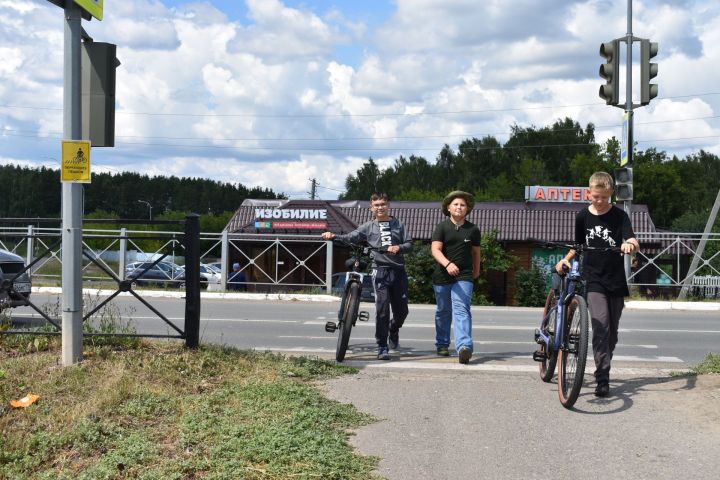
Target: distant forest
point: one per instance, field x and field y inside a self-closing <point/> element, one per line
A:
<point x="679" y="192"/>
<point x="36" y="192"/>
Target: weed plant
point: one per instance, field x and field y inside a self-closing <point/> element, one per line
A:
<point x="710" y="364"/>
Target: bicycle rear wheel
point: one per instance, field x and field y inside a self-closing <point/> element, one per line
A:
<point x="573" y="354"/>
<point x="547" y="366"/>
<point x="350" y="306"/>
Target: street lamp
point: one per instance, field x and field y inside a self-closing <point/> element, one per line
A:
<point x="149" y="206"/>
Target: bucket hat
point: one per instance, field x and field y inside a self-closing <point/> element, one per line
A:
<point x="469" y="199"/>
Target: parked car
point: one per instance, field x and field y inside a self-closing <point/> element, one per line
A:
<point x="162" y="274"/>
<point x="217" y="266"/>
<point x="208" y="275"/>
<point x="338" y="286"/>
<point x="10" y="266"/>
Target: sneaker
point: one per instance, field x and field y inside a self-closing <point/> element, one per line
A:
<point x="602" y="389"/>
<point x="443" y="351"/>
<point x="383" y="354"/>
<point x="394" y="341"/>
<point x="464" y="355"/>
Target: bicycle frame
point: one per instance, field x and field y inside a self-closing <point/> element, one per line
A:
<point x="553" y="343"/>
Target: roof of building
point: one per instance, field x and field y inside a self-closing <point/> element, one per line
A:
<point x="514" y="221"/>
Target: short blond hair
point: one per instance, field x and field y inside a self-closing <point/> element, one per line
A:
<point x="602" y="180"/>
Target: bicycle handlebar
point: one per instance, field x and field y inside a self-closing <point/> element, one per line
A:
<point x="359" y="246"/>
<point x="578" y="247"/>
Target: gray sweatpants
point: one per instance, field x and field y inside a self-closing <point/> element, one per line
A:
<point x="605" y="312"/>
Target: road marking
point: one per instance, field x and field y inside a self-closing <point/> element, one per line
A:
<point x="653" y="330"/>
<point x="418" y="365"/>
<point x="406" y="353"/>
<point x="428" y="340"/>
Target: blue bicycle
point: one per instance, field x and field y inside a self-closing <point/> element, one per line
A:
<point x="564" y="330"/>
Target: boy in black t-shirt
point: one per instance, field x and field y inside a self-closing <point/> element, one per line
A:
<point x="601" y="224"/>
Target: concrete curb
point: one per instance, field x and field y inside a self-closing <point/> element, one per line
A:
<point x="208" y="295"/>
<point x="630" y="304"/>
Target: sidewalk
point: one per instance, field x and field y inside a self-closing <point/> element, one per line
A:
<point x="461" y="423"/>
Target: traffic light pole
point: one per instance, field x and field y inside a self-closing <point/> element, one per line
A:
<point x="72" y="193"/>
<point x="627" y="204"/>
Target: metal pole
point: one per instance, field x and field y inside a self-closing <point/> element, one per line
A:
<point x="627" y="204"/>
<point x="329" y="265"/>
<point x="72" y="339"/>
<point x="122" y="253"/>
<point x="30" y="253"/>
<point x="224" y="258"/>
<point x="192" y="280"/>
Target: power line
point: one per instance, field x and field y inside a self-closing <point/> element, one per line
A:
<point x="338" y="139"/>
<point x="352" y="115"/>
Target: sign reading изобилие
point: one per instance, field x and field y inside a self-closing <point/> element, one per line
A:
<point x="291" y="218"/>
<point x="537" y="193"/>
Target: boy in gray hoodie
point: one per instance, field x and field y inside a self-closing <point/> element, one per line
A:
<point x="389" y="277"/>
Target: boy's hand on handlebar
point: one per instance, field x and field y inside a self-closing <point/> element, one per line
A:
<point x="562" y="266"/>
<point x="393" y="249"/>
<point x="627" y="247"/>
<point x="327" y="235"/>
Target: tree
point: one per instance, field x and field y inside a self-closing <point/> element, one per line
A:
<point x="367" y="181"/>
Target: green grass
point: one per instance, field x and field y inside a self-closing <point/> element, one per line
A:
<point x="710" y="364"/>
<point x="159" y="411"/>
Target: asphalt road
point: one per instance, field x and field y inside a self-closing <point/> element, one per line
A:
<point x="659" y="339"/>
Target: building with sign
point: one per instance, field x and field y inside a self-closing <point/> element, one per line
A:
<point x="519" y="226"/>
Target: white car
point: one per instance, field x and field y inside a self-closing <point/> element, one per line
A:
<point x="208" y="275"/>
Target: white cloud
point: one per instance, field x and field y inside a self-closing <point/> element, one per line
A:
<point x="287" y="93"/>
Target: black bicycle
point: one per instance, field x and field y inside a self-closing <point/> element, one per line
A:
<point x="564" y="330"/>
<point x="349" y="311"/>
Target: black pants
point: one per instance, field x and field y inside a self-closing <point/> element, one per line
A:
<point x="391" y="285"/>
<point x="605" y="312"/>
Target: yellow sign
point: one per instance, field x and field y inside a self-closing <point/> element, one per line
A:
<point x="93" y="7"/>
<point x="75" y="166"/>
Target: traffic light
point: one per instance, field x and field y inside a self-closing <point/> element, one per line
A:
<point x="648" y="71"/>
<point x="98" y="63"/>
<point x="610" y="71"/>
<point x="623" y="184"/>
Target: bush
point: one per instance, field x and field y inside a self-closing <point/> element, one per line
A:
<point x="530" y="290"/>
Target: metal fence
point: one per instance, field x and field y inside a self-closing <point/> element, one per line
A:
<point x="41" y="248"/>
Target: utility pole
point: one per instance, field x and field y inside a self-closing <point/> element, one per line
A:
<point x="313" y="188"/>
<point x="629" y="120"/>
<point x="72" y="337"/>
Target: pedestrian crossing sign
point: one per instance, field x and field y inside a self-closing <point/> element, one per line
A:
<point x="93" y="7"/>
<point x="75" y="163"/>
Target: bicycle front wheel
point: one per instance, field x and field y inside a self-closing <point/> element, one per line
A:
<point x="350" y="306"/>
<point x="573" y="354"/>
<point x="547" y="366"/>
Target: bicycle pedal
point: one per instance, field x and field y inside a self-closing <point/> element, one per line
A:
<point x="330" y="327"/>
<point x="539" y="356"/>
<point x="364" y="316"/>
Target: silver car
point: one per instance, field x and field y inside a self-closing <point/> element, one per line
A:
<point x="14" y="288"/>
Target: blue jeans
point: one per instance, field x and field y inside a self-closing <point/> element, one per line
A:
<point x="453" y="303"/>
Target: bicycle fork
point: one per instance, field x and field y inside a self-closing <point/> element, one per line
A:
<point x="363" y="315"/>
<point x="551" y="339"/>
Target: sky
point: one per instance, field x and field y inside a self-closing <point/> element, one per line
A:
<point x="275" y="93"/>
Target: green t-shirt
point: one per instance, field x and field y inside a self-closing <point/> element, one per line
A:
<point x="457" y="247"/>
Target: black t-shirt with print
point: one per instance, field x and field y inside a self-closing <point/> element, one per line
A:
<point x="604" y="271"/>
<point x="457" y="247"/>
